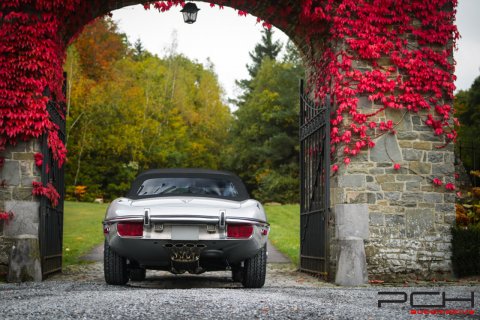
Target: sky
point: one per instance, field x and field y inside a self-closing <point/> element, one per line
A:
<point x="226" y="39"/>
<point x="468" y="54"/>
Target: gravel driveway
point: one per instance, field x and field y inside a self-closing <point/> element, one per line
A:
<point x="80" y="293"/>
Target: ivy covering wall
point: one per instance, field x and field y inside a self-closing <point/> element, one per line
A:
<point x="405" y="50"/>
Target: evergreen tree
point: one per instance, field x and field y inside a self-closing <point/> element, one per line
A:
<point x="263" y="146"/>
<point x="267" y="48"/>
<point x="468" y="105"/>
<point x="292" y="55"/>
<point x="138" y="50"/>
<point x="467" y="110"/>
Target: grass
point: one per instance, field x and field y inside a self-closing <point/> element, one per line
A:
<point x="82" y="229"/>
<point x="285" y="229"/>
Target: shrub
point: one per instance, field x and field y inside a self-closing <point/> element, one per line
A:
<point x="466" y="251"/>
<point x="83" y="193"/>
<point x="277" y="187"/>
<point x="466" y="234"/>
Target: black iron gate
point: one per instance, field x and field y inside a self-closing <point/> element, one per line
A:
<point x="51" y="218"/>
<point x="315" y="184"/>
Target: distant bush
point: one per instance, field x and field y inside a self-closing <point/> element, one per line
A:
<point x="83" y="193"/>
<point x="277" y="187"/>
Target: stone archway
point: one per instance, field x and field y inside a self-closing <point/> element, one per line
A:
<point x="387" y="65"/>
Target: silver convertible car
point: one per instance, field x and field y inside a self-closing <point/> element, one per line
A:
<point x="186" y="220"/>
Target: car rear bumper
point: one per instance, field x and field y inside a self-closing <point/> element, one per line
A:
<point x="161" y="243"/>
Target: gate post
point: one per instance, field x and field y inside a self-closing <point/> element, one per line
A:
<point x="19" y="245"/>
<point x="409" y="217"/>
<point x="351" y="230"/>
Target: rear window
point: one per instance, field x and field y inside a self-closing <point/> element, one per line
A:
<point x="187" y="186"/>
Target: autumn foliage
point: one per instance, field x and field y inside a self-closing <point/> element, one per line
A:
<point x="6" y="216"/>
<point x="406" y="47"/>
<point x="468" y="207"/>
<point x="47" y="191"/>
<point x="80" y="192"/>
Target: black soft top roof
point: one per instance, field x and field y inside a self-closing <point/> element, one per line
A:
<point x="188" y="172"/>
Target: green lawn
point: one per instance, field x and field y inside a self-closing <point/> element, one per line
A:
<point x="285" y="229"/>
<point x="82" y="229"/>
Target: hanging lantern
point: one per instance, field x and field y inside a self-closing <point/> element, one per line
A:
<point x="190" y="12"/>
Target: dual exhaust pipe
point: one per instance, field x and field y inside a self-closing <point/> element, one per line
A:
<point x="185" y="252"/>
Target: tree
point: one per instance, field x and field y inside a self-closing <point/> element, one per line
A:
<point x="264" y="137"/>
<point x="467" y="105"/>
<point x="141" y="112"/>
<point x="139" y="51"/>
<point x="264" y="146"/>
<point x="99" y="46"/>
<point x="467" y="110"/>
<point x="292" y="55"/>
<point x="267" y="48"/>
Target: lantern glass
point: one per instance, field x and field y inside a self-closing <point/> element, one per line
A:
<point x="189" y="12"/>
<point x="189" y="17"/>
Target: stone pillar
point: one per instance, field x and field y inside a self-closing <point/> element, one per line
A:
<point x="17" y="174"/>
<point x="409" y="217"/>
<point x="351" y="231"/>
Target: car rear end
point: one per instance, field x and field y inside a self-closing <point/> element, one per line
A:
<point x="186" y="243"/>
<point x="186" y="220"/>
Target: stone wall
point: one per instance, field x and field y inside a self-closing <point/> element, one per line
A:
<point x="409" y="217"/>
<point x="18" y="173"/>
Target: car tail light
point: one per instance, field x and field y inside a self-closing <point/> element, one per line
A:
<point x="239" y="231"/>
<point x="130" y="229"/>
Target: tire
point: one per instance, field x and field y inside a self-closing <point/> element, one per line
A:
<point x="138" y="274"/>
<point x="255" y="270"/>
<point x="114" y="267"/>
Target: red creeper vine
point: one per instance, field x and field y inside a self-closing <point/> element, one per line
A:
<point x="406" y="47"/>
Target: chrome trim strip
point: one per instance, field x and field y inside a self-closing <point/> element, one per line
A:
<point x="246" y="220"/>
<point x="204" y="219"/>
<point x="130" y="237"/>
<point x="125" y="218"/>
<point x="198" y="219"/>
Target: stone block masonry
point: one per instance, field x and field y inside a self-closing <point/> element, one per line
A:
<point x="17" y="174"/>
<point x="409" y="217"/>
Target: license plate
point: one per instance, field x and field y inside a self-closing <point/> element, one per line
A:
<point x="184" y="232"/>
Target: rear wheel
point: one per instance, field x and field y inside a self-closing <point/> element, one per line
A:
<point x="255" y="270"/>
<point x="138" y="274"/>
<point x="114" y="267"/>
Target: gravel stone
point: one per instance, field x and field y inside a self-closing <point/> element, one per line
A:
<point x="81" y="293"/>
